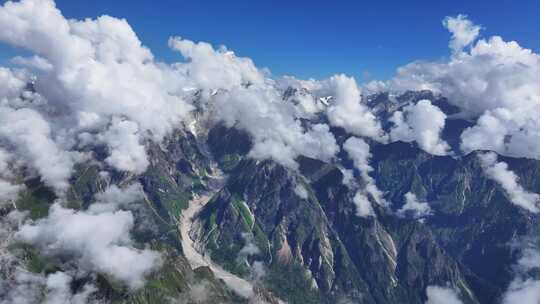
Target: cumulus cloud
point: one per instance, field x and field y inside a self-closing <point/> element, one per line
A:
<point x="9" y="262"/>
<point x="363" y="205"/>
<point x="301" y="191"/>
<point x="348" y="110"/>
<point x="30" y="134"/>
<point x="258" y="270"/>
<point x="244" y="98"/>
<point x="307" y="105"/>
<point x="23" y="287"/>
<point x="213" y="69"/>
<point x="101" y="86"/>
<point x="127" y="153"/>
<point x="414" y="207"/>
<point x="114" y="198"/>
<point x="8" y="190"/>
<point x="441" y="295"/>
<point x="495" y="82"/>
<point x="98" y="242"/>
<point x="97" y="85"/>
<point x="97" y="69"/>
<point x="359" y="152"/>
<point x="348" y="177"/>
<point x="30" y="288"/>
<point x="11" y="84"/>
<point x="275" y="131"/>
<point x="198" y="293"/>
<point x="526" y="292"/>
<point x="58" y="290"/>
<point x="98" y="239"/>
<point x="525" y="289"/>
<point x="249" y="246"/>
<point x="421" y="122"/>
<point x="502" y="131"/>
<point x="34" y="62"/>
<point x="464" y="32"/>
<point x="509" y="181"/>
<point x="26" y="289"/>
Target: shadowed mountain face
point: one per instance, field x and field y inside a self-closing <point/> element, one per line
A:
<point x="465" y="243"/>
<point x="295" y="234"/>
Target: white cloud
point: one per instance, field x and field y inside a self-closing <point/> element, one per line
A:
<point x="503" y="131"/>
<point x="97" y="241"/>
<point x="493" y="74"/>
<point x="414" y="207"/>
<point x="9" y="224"/>
<point x="249" y="248"/>
<point x="258" y="270"/>
<point x="198" y="293"/>
<point x="348" y="110"/>
<point x="495" y="80"/>
<point x="34" y="62"/>
<point x="98" y="68"/>
<point x="525" y="292"/>
<point x="275" y="131"/>
<point x="524" y="289"/>
<point x="421" y="122"/>
<point x="499" y="172"/>
<point x="11" y="84"/>
<point x="212" y="69"/>
<point x="363" y="205"/>
<point x="103" y="87"/>
<point x="441" y="295"/>
<point x="306" y="104"/>
<point x="8" y="192"/>
<point x="301" y="191"/>
<point x="31" y="135"/>
<point x="464" y="32"/>
<point x="114" y="198"/>
<point x="58" y="290"/>
<point x="127" y="153"/>
<point x="359" y="152"/>
<point x="27" y="289"/>
<point x="348" y="177"/>
<point x="30" y="288"/>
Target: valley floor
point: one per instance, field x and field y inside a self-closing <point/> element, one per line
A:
<point x="196" y="259"/>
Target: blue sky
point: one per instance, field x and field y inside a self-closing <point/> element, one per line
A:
<point x="368" y="40"/>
